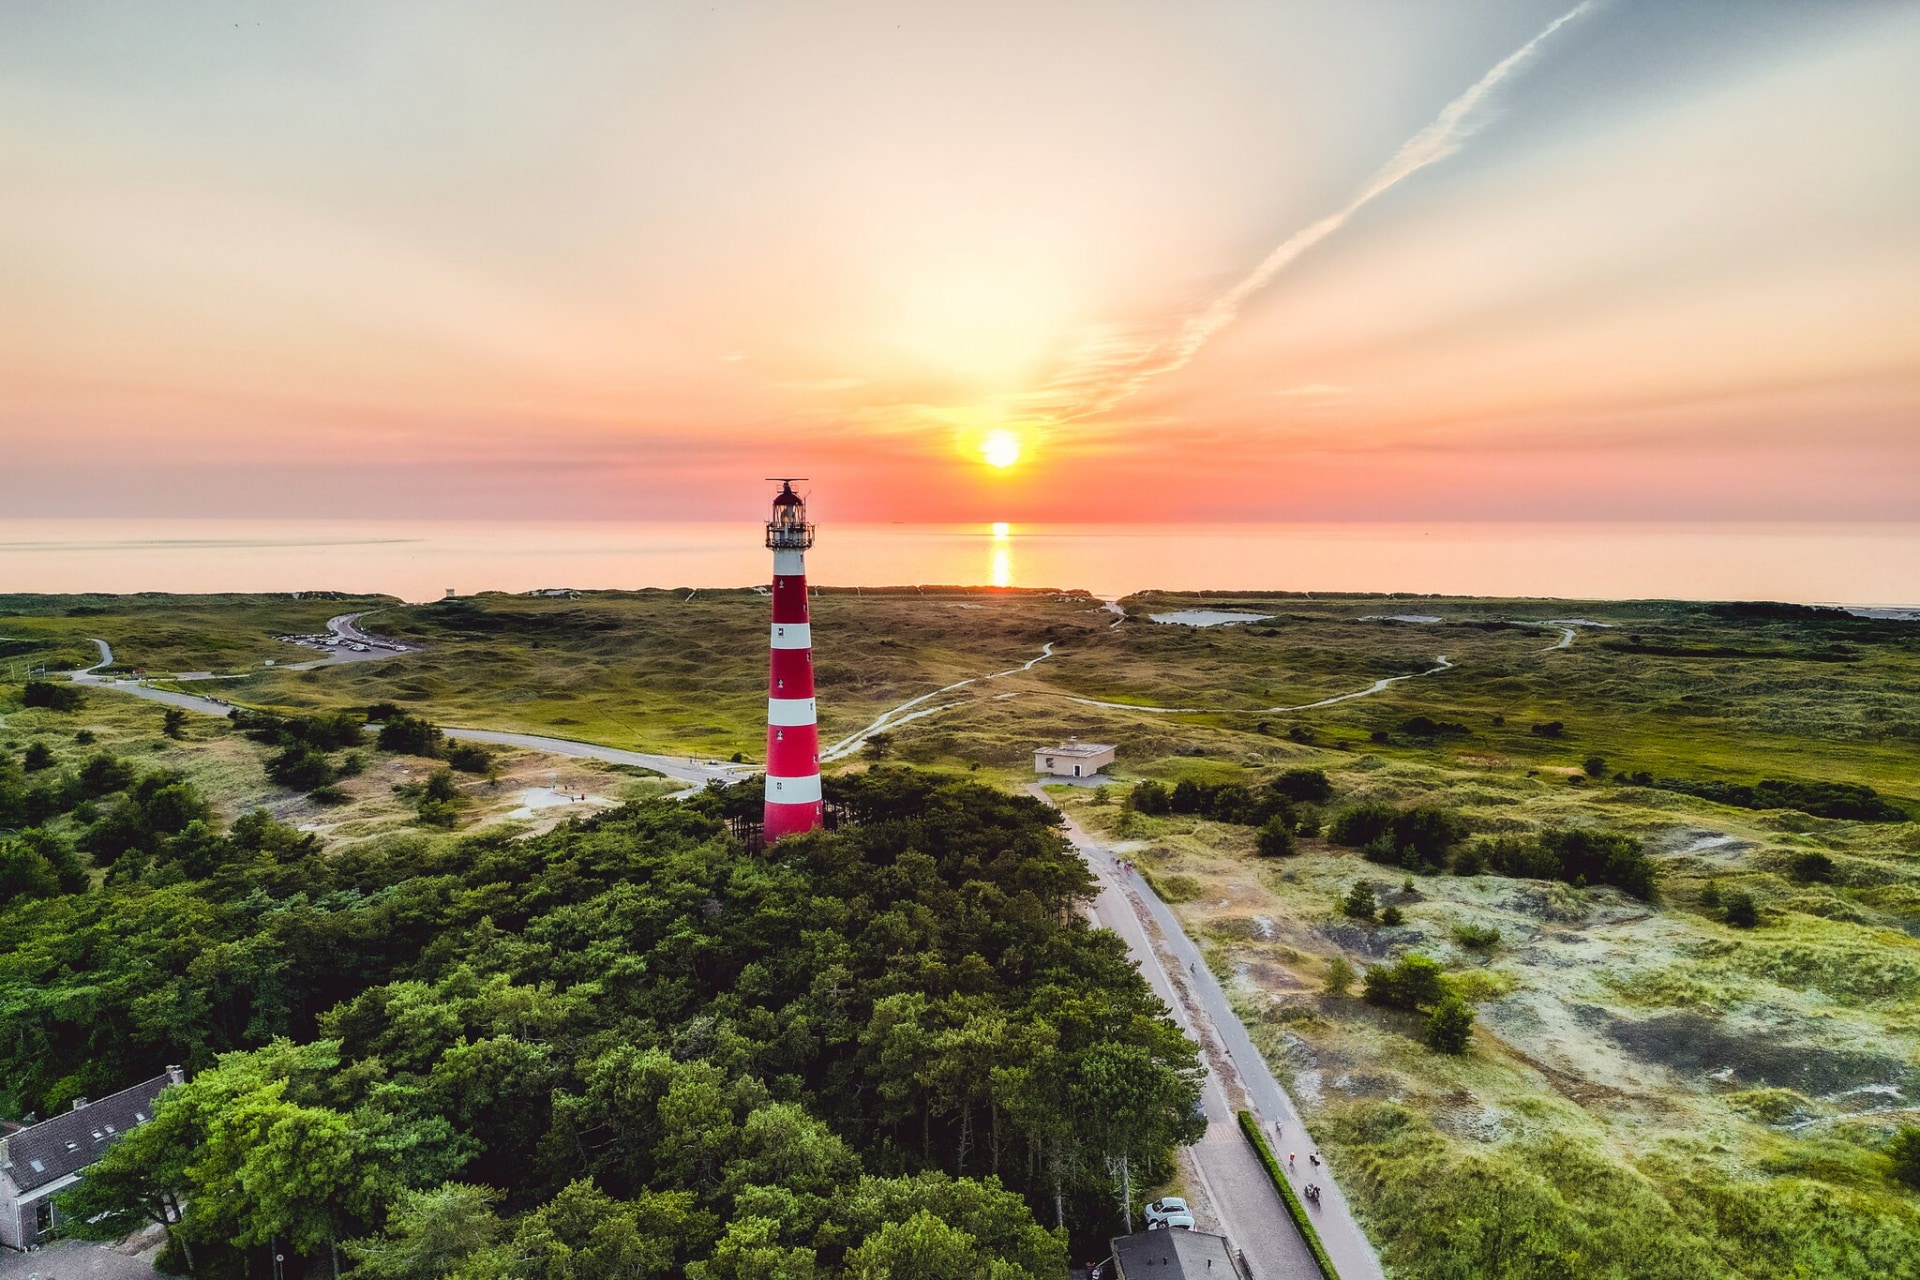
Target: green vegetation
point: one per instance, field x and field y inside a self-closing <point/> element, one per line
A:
<point x="897" y="1041"/>
<point x="1657" y="1083"/>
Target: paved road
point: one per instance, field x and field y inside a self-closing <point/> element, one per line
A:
<point x="1249" y="1209"/>
<point x="684" y="768"/>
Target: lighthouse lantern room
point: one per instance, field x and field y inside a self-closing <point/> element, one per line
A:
<point x="793" y="737"/>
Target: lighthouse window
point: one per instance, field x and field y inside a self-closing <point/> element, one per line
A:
<point x="779" y="684"/>
<point x="779" y="735"/>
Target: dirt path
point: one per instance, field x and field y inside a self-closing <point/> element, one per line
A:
<point x="894" y="717"/>
<point x="1441" y="665"/>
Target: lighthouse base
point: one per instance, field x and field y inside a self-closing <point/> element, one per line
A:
<point x="793" y="819"/>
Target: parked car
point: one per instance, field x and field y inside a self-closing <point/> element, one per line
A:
<point x="1170" y="1211"/>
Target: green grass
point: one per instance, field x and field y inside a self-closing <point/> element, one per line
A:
<point x="1592" y="1114"/>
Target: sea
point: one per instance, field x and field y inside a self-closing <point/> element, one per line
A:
<point x="1869" y="565"/>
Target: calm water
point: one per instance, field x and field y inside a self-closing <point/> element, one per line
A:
<point x="1851" y="564"/>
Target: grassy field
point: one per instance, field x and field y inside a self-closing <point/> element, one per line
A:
<point x="1649" y="1091"/>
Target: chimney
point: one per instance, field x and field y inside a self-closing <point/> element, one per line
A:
<point x="175" y="1076"/>
<point x="79" y="1103"/>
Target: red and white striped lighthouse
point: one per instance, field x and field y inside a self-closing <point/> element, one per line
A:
<point x="793" y="736"/>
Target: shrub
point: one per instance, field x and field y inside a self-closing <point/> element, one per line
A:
<point x="1476" y="937"/>
<point x="54" y="697"/>
<point x="441" y="786"/>
<point x="411" y="736"/>
<point x="1381" y="736"/>
<point x="1428" y="727"/>
<point x="469" y="757"/>
<point x="1339" y="976"/>
<point x="103" y="774"/>
<point x="1813" y="868"/>
<point x="83" y="737"/>
<point x="1740" y="910"/>
<point x="1411" y="982"/>
<point x="329" y="795"/>
<point x="1360" y="826"/>
<point x="173" y="723"/>
<point x="1392" y="916"/>
<point x="1469" y="861"/>
<point x="1595" y="767"/>
<point x="1904" y="1151"/>
<point x="1550" y="729"/>
<point x="1449" y="1027"/>
<point x="1301" y="733"/>
<point x="1358" y="904"/>
<point x="300" y="767"/>
<point x="1275" y="840"/>
<point x="38" y="757"/>
<point x="1576" y="857"/>
<point x="1150" y="797"/>
<point x="1304" y="786"/>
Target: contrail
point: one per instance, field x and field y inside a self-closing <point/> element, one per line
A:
<point x="1434" y="143"/>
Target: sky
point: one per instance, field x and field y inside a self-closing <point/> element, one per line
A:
<point x="1037" y="261"/>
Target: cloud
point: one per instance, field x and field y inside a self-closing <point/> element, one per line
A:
<point x="1107" y="373"/>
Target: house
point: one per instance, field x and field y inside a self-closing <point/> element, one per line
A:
<point x="1073" y="759"/>
<point x="41" y="1160"/>
<point x="1172" y="1254"/>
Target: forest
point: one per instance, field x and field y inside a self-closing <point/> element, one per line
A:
<point x="628" y="1046"/>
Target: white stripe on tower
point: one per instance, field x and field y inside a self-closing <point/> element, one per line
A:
<point x="793" y="801"/>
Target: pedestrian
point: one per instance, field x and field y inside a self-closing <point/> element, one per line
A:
<point x="1315" y="1158"/>
<point x="1290" y="1159"/>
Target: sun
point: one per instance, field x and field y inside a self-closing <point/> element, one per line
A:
<point x="1001" y="449"/>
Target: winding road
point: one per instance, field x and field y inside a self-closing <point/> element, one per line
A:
<point x="684" y="768"/>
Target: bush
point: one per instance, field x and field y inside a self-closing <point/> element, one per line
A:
<point x="329" y="795"/>
<point x="1149" y="797"/>
<point x="1428" y="727"/>
<point x="1904" y="1151"/>
<point x="1339" y="976"/>
<point x="1411" y="982"/>
<point x="468" y="757"/>
<point x="1275" y="840"/>
<point x="1392" y="916"/>
<point x="1304" y="786"/>
<point x="37" y="758"/>
<point x="441" y="786"/>
<point x="1576" y="857"/>
<point x="1469" y="861"/>
<point x="1360" y="826"/>
<point x="1551" y="729"/>
<point x="1476" y="937"/>
<point x="1595" y="767"/>
<point x="300" y="767"/>
<point x="1419" y="839"/>
<point x="1358" y="904"/>
<point x="1449" y="1027"/>
<point x="1301" y="733"/>
<point x="1813" y="868"/>
<point x="54" y="697"/>
<point x="1381" y="736"/>
<point x="1740" y="910"/>
<point x="173" y="723"/>
<point x="103" y="774"/>
<point x="411" y="736"/>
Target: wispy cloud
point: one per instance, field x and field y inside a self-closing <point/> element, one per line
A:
<point x="1097" y="379"/>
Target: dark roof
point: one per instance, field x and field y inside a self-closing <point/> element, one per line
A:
<point x="72" y="1140"/>
<point x="1173" y="1253"/>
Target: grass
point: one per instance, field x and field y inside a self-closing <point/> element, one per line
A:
<point x="1649" y="1092"/>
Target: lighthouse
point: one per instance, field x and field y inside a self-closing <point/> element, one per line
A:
<point x="793" y="737"/>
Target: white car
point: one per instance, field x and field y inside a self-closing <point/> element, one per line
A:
<point x="1171" y="1211"/>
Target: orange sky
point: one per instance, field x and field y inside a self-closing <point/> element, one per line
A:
<point x="615" y="261"/>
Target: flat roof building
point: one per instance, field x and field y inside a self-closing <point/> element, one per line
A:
<point x="1073" y="759"/>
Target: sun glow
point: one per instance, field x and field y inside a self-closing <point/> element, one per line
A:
<point x="1001" y="449"/>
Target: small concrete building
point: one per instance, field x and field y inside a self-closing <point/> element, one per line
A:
<point x="1073" y="759"/>
<point x="41" y="1160"/>
<point x="1172" y="1253"/>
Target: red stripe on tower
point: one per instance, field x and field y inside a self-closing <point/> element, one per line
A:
<point x="793" y="736"/>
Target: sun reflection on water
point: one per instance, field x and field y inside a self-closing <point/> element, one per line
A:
<point x="1000" y="572"/>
